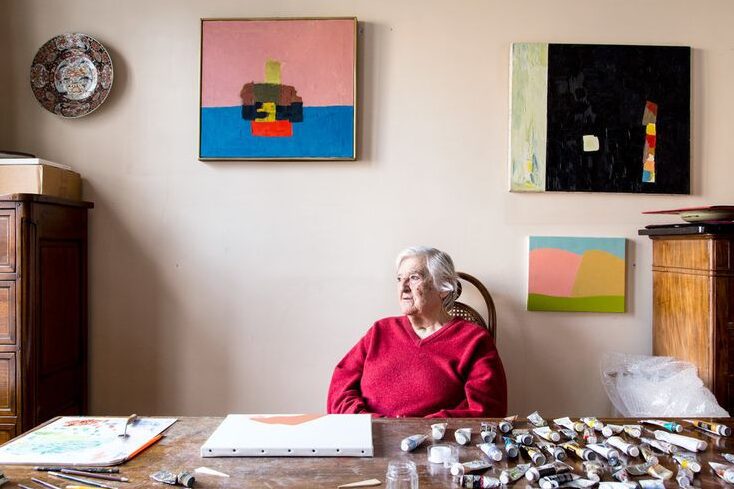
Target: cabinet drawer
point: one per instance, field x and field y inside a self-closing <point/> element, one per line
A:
<point x="7" y="432"/>
<point x="7" y="384"/>
<point x="7" y="240"/>
<point x="7" y="313"/>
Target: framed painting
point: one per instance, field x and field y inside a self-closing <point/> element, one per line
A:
<point x="278" y="89"/>
<point x="600" y="118"/>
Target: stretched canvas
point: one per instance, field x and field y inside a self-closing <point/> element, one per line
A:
<point x="600" y="118"/>
<point x="576" y="274"/>
<point x="278" y="89"/>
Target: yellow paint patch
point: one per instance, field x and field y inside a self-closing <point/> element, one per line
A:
<point x="268" y="107"/>
<point x="272" y="71"/>
<point x="650" y="129"/>
<point x="600" y="273"/>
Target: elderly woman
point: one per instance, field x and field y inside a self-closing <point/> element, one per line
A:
<point x="425" y="362"/>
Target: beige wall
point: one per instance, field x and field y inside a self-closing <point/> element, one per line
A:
<point x="235" y="287"/>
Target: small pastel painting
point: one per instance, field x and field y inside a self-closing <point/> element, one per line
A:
<point x="278" y="89"/>
<point x="576" y="274"/>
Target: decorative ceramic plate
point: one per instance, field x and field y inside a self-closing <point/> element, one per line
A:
<point x="71" y="75"/>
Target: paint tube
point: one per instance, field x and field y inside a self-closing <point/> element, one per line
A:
<point x="507" y="424"/>
<point x="651" y="484"/>
<point x="510" y="447"/>
<point x="570" y="434"/>
<point x="593" y="469"/>
<point x="522" y="437"/>
<point x="488" y="432"/>
<point x="668" y="425"/>
<point x="462" y="436"/>
<point x="611" y="429"/>
<point x="569" y="424"/>
<point x="633" y="430"/>
<point x="513" y="474"/>
<point x="617" y="485"/>
<point x="491" y="451"/>
<point x="478" y="481"/>
<point x="582" y="453"/>
<point x="726" y="472"/>
<point x="715" y="428"/>
<point x="469" y="467"/>
<point x="438" y="430"/>
<point x="535" y="455"/>
<point x="548" y="434"/>
<point x="554" y="481"/>
<point x="648" y="454"/>
<point x="589" y="436"/>
<point x="554" y="451"/>
<point x="536" y="419"/>
<point x="627" y="448"/>
<point x="621" y="475"/>
<point x="593" y="423"/>
<point x="640" y="469"/>
<point x="580" y="483"/>
<point x="412" y="442"/>
<point x="729" y="457"/>
<point x="659" y="472"/>
<point x="687" y="442"/>
<point x="609" y="453"/>
<point x="660" y="445"/>
<point x="535" y="473"/>
<point x="684" y="477"/>
<point x="687" y="461"/>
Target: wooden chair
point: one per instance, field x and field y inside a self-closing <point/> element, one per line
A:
<point x="468" y="313"/>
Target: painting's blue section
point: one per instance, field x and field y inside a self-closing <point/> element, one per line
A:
<point x="615" y="246"/>
<point x="326" y="132"/>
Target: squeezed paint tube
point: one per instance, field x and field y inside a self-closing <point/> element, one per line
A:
<point x="609" y="453"/>
<point x="536" y="419"/>
<point x="462" y="436"/>
<point x="488" y="432"/>
<point x="548" y="434"/>
<point x="412" y="442"/>
<point x="580" y="483"/>
<point x="570" y="434"/>
<point x="510" y="447"/>
<point x="478" y="481"/>
<point x="513" y="474"/>
<point x="522" y="436"/>
<point x="612" y="429"/>
<point x="589" y="436"/>
<point x="627" y="448"/>
<point x="553" y="481"/>
<point x="715" y="428"/>
<point x="729" y="457"/>
<point x="535" y="455"/>
<point x="651" y="484"/>
<point x="726" y="472"/>
<point x="593" y="469"/>
<point x="535" y="473"/>
<point x="438" y="430"/>
<point x="633" y="430"/>
<point x="507" y="424"/>
<point x="687" y="461"/>
<point x="621" y="475"/>
<point x="582" y="453"/>
<point x="648" y="454"/>
<point x="684" y="477"/>
<point x="668" y="425"/>
<point x="617" y="485"/>
<point x="687" y="442"/>
<point x="569" y="424"/>
<point x="491" y="451"/>
<point x="593" y="423"/>
<point x="640" y="469"/>
<point x="469" y="467"/>
<point x="660" y="445"/>
<point x="554" y="451"/>
<point x="659" y="472"/>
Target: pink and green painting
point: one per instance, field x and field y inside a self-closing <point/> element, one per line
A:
<point x="576" y="274"/>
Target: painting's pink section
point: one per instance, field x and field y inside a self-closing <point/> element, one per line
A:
<point x="552" y="272"/>
<point x="316" y="56"/>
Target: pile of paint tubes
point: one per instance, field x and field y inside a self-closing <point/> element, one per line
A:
<point x="611" y="456"/>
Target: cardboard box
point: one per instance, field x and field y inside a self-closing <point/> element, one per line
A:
<point x="40" y="179"/>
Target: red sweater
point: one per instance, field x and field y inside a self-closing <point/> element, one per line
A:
<point x="391" y="371"/>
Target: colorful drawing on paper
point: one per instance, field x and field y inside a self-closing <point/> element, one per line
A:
<point x="576" y="274"/>
<point x="582" y="118"/>
<point x="278" y="89"/>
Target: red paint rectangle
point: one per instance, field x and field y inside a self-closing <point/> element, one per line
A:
<point x="272" y="129"/>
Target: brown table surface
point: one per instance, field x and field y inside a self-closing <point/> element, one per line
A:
<point x="179" y="450"/>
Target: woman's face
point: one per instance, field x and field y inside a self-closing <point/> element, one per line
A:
<point x="416" y="292"/>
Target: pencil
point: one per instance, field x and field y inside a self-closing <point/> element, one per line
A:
<point x="44" y="483"/>
<point x="86" y="482"/>
<point x="59" y="468"/>
<point x="147" y="444"/>
<point x="116" y="478"/>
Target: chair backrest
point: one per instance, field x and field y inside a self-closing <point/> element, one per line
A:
<point x="468" y="313"/>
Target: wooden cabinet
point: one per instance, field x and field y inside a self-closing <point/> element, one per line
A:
<point x="693" y="303"/>
<point x="43" y="310"/>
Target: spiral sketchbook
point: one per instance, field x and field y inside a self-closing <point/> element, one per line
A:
<point x="291" y="435"/>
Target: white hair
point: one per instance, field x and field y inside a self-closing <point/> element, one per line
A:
<point x="440" y="268"/>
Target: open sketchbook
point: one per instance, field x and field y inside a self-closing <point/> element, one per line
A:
<point x="82" y="441"/>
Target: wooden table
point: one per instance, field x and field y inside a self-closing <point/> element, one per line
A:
<point x="179" y="450"/>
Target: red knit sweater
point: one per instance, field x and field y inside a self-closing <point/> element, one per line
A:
<point x="391" y="371"/>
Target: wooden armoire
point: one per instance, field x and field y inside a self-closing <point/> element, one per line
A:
<point x="43" y="310"/>
<point x="693" y="300"/>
